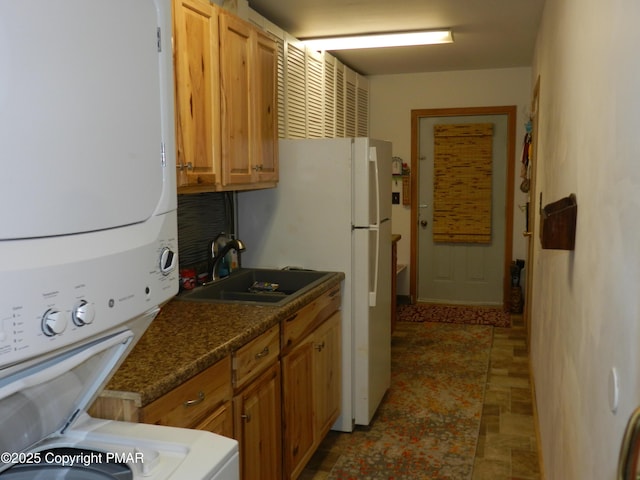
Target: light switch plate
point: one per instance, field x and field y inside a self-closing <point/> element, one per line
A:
<point x="395" y="198"/>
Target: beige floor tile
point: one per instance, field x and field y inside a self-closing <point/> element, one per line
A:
<point x="507" y="441"/>
<point x="509" y="381"/>
<point x="484" y="469"/>
<point x="525" y="463"/>
<point x="511" y="423"/>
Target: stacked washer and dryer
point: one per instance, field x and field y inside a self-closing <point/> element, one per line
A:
<point x="88" y="237"/>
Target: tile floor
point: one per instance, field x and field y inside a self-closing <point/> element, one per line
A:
<point x="507" y="442"/>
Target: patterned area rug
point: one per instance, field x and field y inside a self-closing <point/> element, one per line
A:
<point x="427" y="425"/>
<point x="436" y="312"/>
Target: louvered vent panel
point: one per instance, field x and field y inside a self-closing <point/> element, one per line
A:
<point x="363" y="112"/>
<point x="295" y="93"/>
<point x="281" y="110"/>
<point x="350" y="114"/>
<point x="315" y="117"/>
<point x="329" y="97"/>
<point x="340" y="103"/>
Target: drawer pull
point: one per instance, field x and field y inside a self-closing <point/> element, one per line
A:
<point x="263" y="353"/>
<point x="291" y="318"/>
<point x="334" y="293"/>
<point x="191" y="403"/>
<point x="246" y="417"/>
<point x="319" y="346"/>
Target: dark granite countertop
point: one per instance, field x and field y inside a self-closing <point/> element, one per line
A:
<point x="188" y="337"/>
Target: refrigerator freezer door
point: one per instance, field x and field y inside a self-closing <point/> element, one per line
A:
<point x="371" y="182"/>
<point x="383" y="154"/>
<point x="305" y="221"/>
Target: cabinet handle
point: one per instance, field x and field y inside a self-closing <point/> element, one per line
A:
<point x="334" y="293"/>
<point x="263" y="353"/>
<point x="319" y="346"/>
<point x="246" y="417"/>
<point x="257" y="168"/>
<point x="188" y="166"/>
<point x="191" y="403"/>
<point x="291" y="318"/>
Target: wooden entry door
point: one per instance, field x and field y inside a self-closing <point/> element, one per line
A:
<point x="462" y="272"/>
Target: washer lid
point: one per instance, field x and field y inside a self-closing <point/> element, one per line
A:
<point x="46" y="397"/>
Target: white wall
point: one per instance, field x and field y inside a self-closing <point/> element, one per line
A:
<point x="586" y="303"/>
<point x="394" y="96"/>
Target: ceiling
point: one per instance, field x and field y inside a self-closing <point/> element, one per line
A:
<point x="487" y="33"/>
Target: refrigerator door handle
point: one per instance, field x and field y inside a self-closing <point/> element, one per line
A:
<point x="373" y="295"/>
<point x="373" y="157"/>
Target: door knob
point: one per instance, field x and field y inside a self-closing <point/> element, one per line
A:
<point x="424" y="223"/>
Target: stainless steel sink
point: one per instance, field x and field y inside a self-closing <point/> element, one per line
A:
<point x="244" y="286"/>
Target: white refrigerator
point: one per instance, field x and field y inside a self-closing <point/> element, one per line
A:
<point x="331" y="211"/>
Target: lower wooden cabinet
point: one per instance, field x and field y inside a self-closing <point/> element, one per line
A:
<point x="277" y="395"/>
<point x="327" y="378"/>
<point x="298" y="421"/>
<point x="257" y="427"/>
<point x="311" y="393"/>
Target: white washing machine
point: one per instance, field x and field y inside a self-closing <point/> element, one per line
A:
<point x="88" y="239"/>
<point x="46" y="433"/>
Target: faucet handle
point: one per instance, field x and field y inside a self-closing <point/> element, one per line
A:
<point x="218" y="243"/>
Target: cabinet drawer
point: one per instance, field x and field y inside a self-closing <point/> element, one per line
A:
<point x="251" y="359"/>
<point x="309" y="317"/>
<point x="186" y="405"/>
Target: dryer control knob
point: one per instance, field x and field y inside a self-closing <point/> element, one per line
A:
<point x="83" y="313"/>
<point x="53" y="322"/>
<point x="168" y="260"/>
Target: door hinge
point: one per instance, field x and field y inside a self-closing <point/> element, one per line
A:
<point x="159" y="39"/>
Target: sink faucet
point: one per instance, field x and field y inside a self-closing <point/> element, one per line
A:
<point x="217" y="258"/>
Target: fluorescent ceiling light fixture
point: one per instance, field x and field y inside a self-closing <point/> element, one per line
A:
<point x="381" y="40"/>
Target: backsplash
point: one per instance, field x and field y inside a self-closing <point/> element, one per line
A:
<point x="200" y="218"/>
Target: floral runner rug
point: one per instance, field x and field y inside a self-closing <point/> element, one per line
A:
<point x="428" y="423"/>
<point x="441" y="313"/>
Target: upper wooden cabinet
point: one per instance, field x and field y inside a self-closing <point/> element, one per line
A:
<point x="226" y="101"/>
<point x="248" y="64"/>
<point x="197" y="86"/>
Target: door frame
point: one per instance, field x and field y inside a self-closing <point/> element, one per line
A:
<point x="533" y="209"/>
<point x="416" y="115"/>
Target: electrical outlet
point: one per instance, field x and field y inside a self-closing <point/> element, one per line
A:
<point x="395" y="198"/>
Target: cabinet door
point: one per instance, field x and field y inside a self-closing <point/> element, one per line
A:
<point x="298" y="404"/>
<point x="257" y="427"/>
<point x="236" y="74"/>
<point x="220" y="421"/>
<point x="326" y="374"/>
<point x="197" y="85"/>
<point x="265" y="107"/>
